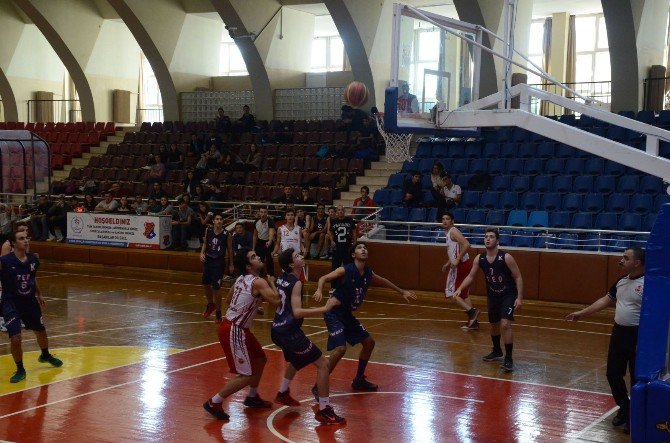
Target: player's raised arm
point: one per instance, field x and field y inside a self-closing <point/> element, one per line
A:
<point x="267" y="291"/>
<point x="467" y="281"/>
<point x="381" y="281"/>
<point x="300" y="312"/>
<point x="516" y="275"/>
<point x="333" y="275"/>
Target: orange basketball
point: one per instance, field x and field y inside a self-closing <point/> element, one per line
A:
<point x="356" y="94"/>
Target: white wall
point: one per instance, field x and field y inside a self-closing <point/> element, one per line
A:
<point x="197" y="50"/>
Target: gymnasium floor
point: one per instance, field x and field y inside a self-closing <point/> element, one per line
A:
<point x="139" y="361"/>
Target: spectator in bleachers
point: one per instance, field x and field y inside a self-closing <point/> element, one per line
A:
<point x="157" y="191"/>
<point x="212" y="157"/>
<point x="175" y="158"/>
<point x="117" y="190"/>
<point x="407" y="103"/>
<point x="75" y="204"/>
<point x="364" y="201"/>
<point x="7" y="216"/>
<point x="254" y="159"/>
<point x="107" y="204"/>
<point x="189" y="183"/>
<point x="305" y="199"/>
<point x="181" y="225"/>
<point x="153" y="206"/>
<point x="412" y="190"/>
<point x="287" y="197"/>
<point x="436" y="182"/>
<point x="318" y="231"/>
<point x="165" y="207"/>
<point x="226" y="163"/>
<point x="57" y="218"/>
<point x="247" y="121"/>
<point x="196" y="146"/>
<point x="139" y="206"/>
<point x="89" y="203"/>
<point x="222" y="121"/>
<point x="157" y="171"/>
<point x="213" y="139"/>
<point x="89" y="186"/>
<point x="216" y="193"/>
<point x="450" y="196"/>
<point x="203" y="218"/>
<point x="242" y="238"/>
<point x="123" y="205"/>
<point x="200" y="194"/>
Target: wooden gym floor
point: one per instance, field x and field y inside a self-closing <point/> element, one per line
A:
<point x="139" y="361"/>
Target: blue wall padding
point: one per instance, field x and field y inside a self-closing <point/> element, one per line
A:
<point x="652" y="342"/>
<point x="657" y="428"/>
<point x="638" y="412"/>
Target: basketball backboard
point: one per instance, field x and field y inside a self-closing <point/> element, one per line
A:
<point x="432" y="67"/>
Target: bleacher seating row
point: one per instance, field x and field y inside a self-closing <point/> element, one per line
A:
<point x="108" y="128"/>
<point x="262" y="125"/>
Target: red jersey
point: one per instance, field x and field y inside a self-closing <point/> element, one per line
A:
<point x="243" y="303"/>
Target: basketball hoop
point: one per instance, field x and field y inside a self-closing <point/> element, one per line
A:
<point x="397" y="145"/>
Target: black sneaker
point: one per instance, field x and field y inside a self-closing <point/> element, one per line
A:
<point x="315" y="393"/>
<point x="493" y="356"/>
<point x="327" y="416"/>
<point x="620" y="418"/>
<point x="257" y="402"/>
<point x="361" y="384"/>
<point x="53" y="361"/>
<point x="216" y="409"/>
<point x="626" y="428"/>
<point x="508" y="365"/>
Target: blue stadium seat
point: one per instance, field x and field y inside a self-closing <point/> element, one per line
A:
<point x="527" y="150"/>
<point x="460" y="214"/>
<point x="551" y="201"/>
<point x="509" y="150"/>
<point x="664" y="118"/>
<point x="473" y="150"/>
<point x="491" y="150"/>
<point x="651" y="185"/>
<point x="428" y="197"/>
<point x="533" y="166"/>
<point x="545" y="150"/>
<point x="439" y="150"/>
<point x="647" y="117"/>
<point x="559" y="219"/>
<point x="496" y="166"/>
<point x="489" y="200"/>
<point x="630" y="222"/>
<point x="648" y="221"/>
<point x="530" y="201"/>
<point x="614" y="168"/>
<point x="568" y="119"/>
<point x="628" y="184"/>
<point x="417" y="215"/>
<point x="470" y="199"/>
<point x="564" y="151"/>
<point x="567" y="241"/>
<point x="606" y="221"/>
<point x="509" y="200"/>
<point x="462" y="180"/>
<point x="496" y="218"/>
<point x="594" y="202"/>
<point x="397" y="181"/>
<point x="555" y="166"/>
<point x="523" y="239"/>
<point x="582" y="220"/>
<point x="543" y="183"/>
<point x="660" y="200"/>
<point x="424" y="150"/>
<point x="506" y="237"/>
<point x="641" y="203"/>
<point x="395" y="197"/>
<point x="514" y="166"/>
<point x="381" y="197"/>
<point x="426" y="165"/>
<point x="541" y="241"/>
<point x="459" y="166"/>
<point x="617" y="203"/>
<point x="517" y="217"/>
<point x="519" y="135"/>
<point x="538" y="219"/>
<point x="605" y="184"/>
<point x="583" y="184"/>
<point x="617" y="133"/>
<point x="476" y="217"/>
<point x="456" y="150"/>
<point x="627" y="114"/>
<point x="563" y="184"/>
<point x="421" y="234"/>
<point x="574" y="166"/>
<point x="503" y="134"/>
<point x="520" y="184"/>
<point x="385" y="213"/>
<point x="432" y="215"/>
<point x="399" y="213"/>
<point x="572" y="202"/>
<point x="397" y="232"/>
<point x="500" y="183"/>
<point x="477" y="166"/>
<point x="594" y="166"/>
<point x="409" y="165"/>
<point x="591" y="242"/>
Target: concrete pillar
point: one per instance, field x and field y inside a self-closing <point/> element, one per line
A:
<point x="11" y="28"/>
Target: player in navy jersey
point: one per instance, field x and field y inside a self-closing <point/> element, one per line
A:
<point x="22" y="301"/>
<point x="353" y="282"/>
<point x="319" y="232"/>
<point x="215" y="255"/>
<point x="504" y="290"/>
<point x="299" y="351"/>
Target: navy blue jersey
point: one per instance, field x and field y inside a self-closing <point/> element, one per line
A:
<point x="353" y="287"/>
<point x="301" y="222"/>
<point x="18" y="278"/>
<point x="284" y="320"/>
<point x="342" y="229"/>
<point x="499" y="280"/>
<point x="216" y="243"/>
<point x="320" y="223"/>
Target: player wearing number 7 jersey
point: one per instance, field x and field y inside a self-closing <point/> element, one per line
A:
<point x="504" y="290"/>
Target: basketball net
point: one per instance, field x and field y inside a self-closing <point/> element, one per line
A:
<point x="397" y="145"/>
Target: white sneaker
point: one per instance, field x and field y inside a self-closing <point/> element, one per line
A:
<point x="331" y="292"/>
<point x="51" y="238"/>
<point x="3" y="328"/>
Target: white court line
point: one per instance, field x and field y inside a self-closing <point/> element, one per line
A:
<point x="280" y="436"/>
<point x="594" y="423"/>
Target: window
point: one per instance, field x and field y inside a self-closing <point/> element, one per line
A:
<point x="536" y="51"/>
<point x="230" y="58"/>
<point x="593" y="56"/>
<point x="427" y="40"/>
<point x="152" y="107"/>
<point x="327" y="54"/>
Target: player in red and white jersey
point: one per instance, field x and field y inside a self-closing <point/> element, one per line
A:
<point x="458" y="267"/>
<point x="289" y="235"/>
<point x="244" y="354"/>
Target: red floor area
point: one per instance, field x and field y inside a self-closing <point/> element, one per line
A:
<point x="162" y="400"/>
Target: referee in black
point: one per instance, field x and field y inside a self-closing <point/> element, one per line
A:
<point x="627" y="295"/>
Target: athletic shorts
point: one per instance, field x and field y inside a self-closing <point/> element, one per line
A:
<point x="297" y="348"/>
<point x="341" y="256"/>
<point x="212" y="272"/>
<point x="26" y="310"/>
<point x="343" y="328"/>
<point x="455" y="277"/>
<point x="501" y="307"/>
<point x="241" y="348"/>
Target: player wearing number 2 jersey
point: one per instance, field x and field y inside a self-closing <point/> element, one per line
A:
<point x="504" y="287"/>
<point x="299" y="351"/>
<point x="341" y="231"/>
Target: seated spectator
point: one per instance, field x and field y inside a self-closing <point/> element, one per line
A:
<point x="123" y="205"/>
<point x="139" y="206"/>
<point x="213" y="157"/>
<point x="7" y="216"/>
<point x="203" y="218"/>
<point x="287" y="197"/>
<point x="216" y="193"/>
<point x="190" y="182"/>
<point x="437" y="187"/>
<point x="89" y="203"/>
<point x="364" y="201"/>
<point x="407" y="102"/>
<point x="196" y="146"/>
<point x="200" y="194"/>
<point x="89" y="186"/>
<point x="165" y="207"/>
<point x="412" y="190"/>
<point x="117" y="191"/>
<point x="305" y="199"/>
<point x="254" y="159"/>
<point x="76" y="205"/>
<point x="181" y="226"/>
<point x="157" y="171"/>
<point x="175" y="158"/>
<point x="247" y="121"/>
<point x="57" y="218"/>
<point x="157" y="191"/>
<point x="153" y="206"/>
<point x="107" y="204"/>
<point x="222" y="121"/>
<point x="451" y="195"/>
<point x="226" y="163"/>
<point x="242" y="238"/>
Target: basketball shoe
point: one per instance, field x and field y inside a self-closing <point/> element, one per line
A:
<point x="361" y="384"/>
<point x="284" y="398"/>
<point x="257" y="402"/>
<point x="211" y="307"/>
<point x="620" y="418"/>
<point x="508" y="365"/>
<point x="327" y="416"/>
<point x="315" y="392"/>
<point x="19" y="375"/>
<point x="53" y="361"/>
<point x="473" y="318"/>
<point x="496" y="354"/>
<point x="471" y="326"/>
<point x="216" y="409"/>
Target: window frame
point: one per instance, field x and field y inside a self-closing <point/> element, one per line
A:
<point x="329" y="67"/>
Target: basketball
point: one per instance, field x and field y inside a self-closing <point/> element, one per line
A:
<point x="356" y="94"/>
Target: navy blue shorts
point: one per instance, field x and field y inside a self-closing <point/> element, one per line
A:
<point x="24" y="309"/>
<point x="501" y="307"/>
<point x="297" y="348"/>
<point x="343" y="328"/>
<point x="212" y="272"/>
